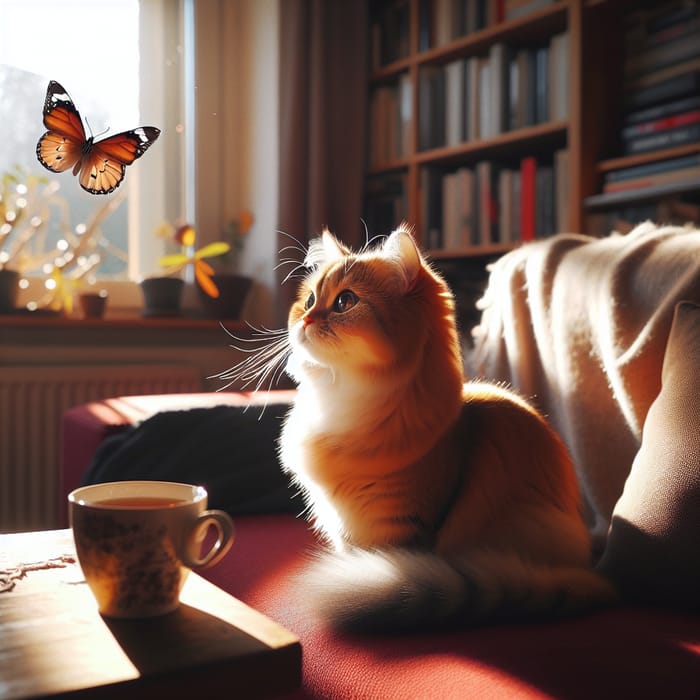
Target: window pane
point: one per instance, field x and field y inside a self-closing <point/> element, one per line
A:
<point x="103" y="55"/>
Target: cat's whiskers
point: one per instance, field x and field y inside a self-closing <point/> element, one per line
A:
<point x="293" y="273"/>
<point x="267" y="352"/>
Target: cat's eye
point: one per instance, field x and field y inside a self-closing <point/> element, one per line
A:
<point x="310" y="301"/>
<point x="345" y="301"/>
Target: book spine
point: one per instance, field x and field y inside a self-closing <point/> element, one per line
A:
<point x="661" y="166"/>
<point x="664" y="139"/>
<point x="661" y="124"/>
<point x="516" y="10"/>
<point x="454" y="102"/>
<point x="663" y="110"/>
<point x="541" y="85"/>
<point x="652" y="180"/>
<point x="528" y="174"/>
<point x="678" y="86"/>
<point x="663" y="55"/>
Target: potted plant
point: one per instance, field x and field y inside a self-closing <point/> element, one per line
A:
<point x="233" y="286"/>
<point x="162" y="294"/>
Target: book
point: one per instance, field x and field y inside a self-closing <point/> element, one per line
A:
<point x="389" y="34"/>
<point x="431" y="108"/>
<point x="454" y="102"/>
<point x="442" y="22"/>
<point x="431" y="206"/>
<point x="473" y="102"/>
<point x="466" y="91"/>
<point x="663" y="55"/>
<point x="662" y="178"/>
<point x="559" y="77"/>
<point x="516" y="203"/>
<point x="488" y="206"/>
<point x="451" y="238"/>
<point x="498" y="88"/>
<point x="663" y="75"/>
<point x="561" y="190"/>
<point x="662" y="139"/>
<point x="666" y="109"/>
<point x="527" y="88"/>
<point x="655" y="168"/>
<point x="544" y="201"/>
<point x="541" y="85"/>
<point x="385" y="137"/>
<point x="385" y="202"/>
<point x="676" y="120"/>
<point x="486" y="125"/>
<point x="687" y="83"/>
<point x="405" y="107"/>
<point x="513" y="92"/>
<point x="466" y="190"/>
<point x="505" y="206"/>
<point x="528" y="173"/>
<point x="515" y="9"/>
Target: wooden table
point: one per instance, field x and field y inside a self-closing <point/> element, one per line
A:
<point x="54" y="642"/>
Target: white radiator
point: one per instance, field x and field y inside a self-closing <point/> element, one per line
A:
<point x="32" y="402"/>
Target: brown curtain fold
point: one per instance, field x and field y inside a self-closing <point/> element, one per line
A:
<point x="323" y="98"/>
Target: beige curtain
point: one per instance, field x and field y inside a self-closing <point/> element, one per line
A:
<point x="323" y="94"/>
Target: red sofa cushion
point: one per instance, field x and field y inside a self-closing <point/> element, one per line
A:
<point x="631" y="652"/>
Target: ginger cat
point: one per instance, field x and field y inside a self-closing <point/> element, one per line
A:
<point x="446" y="503"/>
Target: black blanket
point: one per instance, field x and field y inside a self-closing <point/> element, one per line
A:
<point x="229" y="450"/>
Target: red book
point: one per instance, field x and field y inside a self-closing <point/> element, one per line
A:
<point x="662" y="124"/>
<point x="528" y="171"/>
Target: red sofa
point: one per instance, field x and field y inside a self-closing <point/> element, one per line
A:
<point x="627" y="652"/>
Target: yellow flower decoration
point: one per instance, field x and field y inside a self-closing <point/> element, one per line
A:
<point x="203" y="271"/>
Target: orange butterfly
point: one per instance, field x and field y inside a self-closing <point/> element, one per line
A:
<point x="101" y="164"/>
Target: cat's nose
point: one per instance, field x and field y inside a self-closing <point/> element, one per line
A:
<point x="307" y="320"/>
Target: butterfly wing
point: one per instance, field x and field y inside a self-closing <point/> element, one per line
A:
<point x="61" y="147"/>
<point x="104" y="163"/>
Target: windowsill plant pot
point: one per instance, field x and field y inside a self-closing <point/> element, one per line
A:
<point x="9" y="290"/>
<point x="162" y="296"/>
<point x="233" y="292"/>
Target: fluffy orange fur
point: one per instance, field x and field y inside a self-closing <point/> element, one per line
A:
<point x="400" y="459"/>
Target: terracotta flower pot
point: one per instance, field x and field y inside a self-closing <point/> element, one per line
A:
<point x="233" y="292"/>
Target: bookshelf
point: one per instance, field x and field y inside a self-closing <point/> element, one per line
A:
<point x="555" y="118"/>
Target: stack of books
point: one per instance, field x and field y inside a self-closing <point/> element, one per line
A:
<point x="662" y="78"/>
<point x="661" y="111"/>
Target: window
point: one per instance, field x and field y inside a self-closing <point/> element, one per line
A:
<point x="124" y="63"/>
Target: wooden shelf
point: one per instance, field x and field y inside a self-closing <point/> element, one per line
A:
<point x="513" y="143"/>
<point x="39" y="320"/>
<point x="643" y="194"/>
<point x="590" y="133"/>
<point x="534" y="27"/>
<point x="605" y="166"/>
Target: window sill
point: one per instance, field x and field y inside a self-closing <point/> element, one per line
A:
<point x="115" y="319"/>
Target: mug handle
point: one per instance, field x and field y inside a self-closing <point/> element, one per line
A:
<point x="225" y="533"/>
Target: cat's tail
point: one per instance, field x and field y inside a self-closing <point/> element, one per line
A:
<point x="405" y="590"/>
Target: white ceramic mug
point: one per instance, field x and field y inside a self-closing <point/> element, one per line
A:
<point x="136" y="542"/>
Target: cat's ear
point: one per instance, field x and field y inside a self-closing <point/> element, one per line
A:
<point x="401" y="246"/>
<point x="324" y="250"/>
<point x="332" y="247"/>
